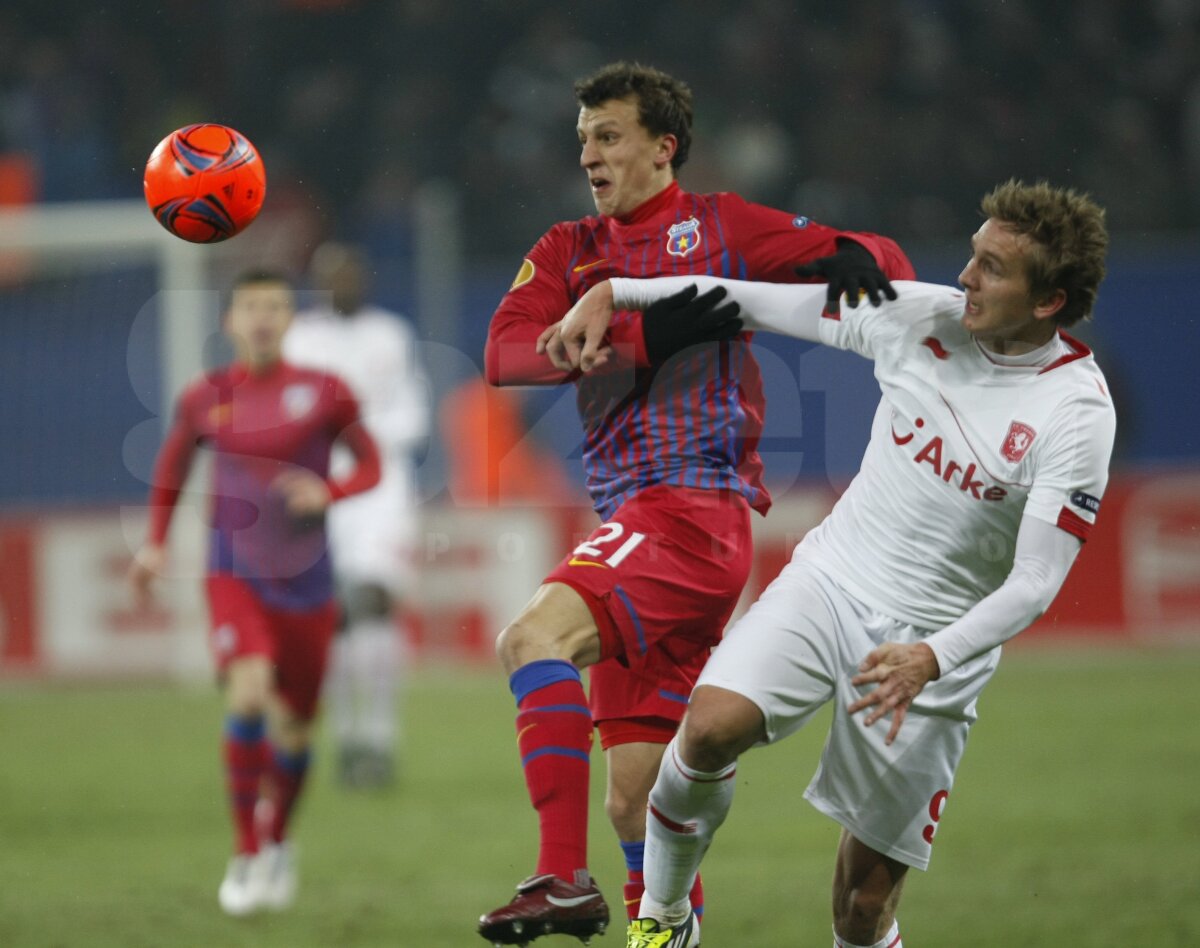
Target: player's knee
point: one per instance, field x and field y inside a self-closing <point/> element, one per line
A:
<point x="247" y="686"/>
<point x="859" y="912"/>
<point x="626" y="812"/>
<point x="532" y="637"/>
<point x="521" y="642"/>
<point x="365" y="602"/>
<point x="717" y="729"/>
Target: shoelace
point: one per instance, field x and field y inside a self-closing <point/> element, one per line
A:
<point x="644" y="933"/>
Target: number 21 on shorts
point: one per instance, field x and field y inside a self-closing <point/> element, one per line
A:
<point x="601" y="543"/>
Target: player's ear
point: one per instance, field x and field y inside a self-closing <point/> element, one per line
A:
<point x="668" y="144"/>
<point x="1050" y="304"/>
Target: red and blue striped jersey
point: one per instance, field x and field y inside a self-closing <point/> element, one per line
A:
<point x="694" y="421"/>
<point x="259" y="426"/>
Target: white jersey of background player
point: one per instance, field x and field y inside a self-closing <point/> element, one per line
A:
<point x="371" y="536"/>
<point x="987" y="461"/>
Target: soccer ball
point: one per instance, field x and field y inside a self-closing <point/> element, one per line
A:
<point x="205" y="183"/>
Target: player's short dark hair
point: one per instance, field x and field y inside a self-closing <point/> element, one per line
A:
<point x="1070" y="240"/>
<point x="254" y="276"/>
<point x="664" y="102"/>
<point x="261" y="275"/>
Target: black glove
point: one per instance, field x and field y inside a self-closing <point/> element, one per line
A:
<point x="848" y="271"/>
<point x="685" y="319"/>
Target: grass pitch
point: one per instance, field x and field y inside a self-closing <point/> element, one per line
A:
<point x="1075" y="821"/>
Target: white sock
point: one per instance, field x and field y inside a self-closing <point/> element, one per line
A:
<point x="686" y="808"/>
<point x="377" y="642"/>
<point x="890" y="940"/>
<point x="339" y="689"/>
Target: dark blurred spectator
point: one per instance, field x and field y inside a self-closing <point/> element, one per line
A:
<point x="895" y="112"/>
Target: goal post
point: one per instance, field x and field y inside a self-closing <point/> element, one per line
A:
<point x="96" y="235"/>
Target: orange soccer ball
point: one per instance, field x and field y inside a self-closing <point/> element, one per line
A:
<point x="205" y="183"/>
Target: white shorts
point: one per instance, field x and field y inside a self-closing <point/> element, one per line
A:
<point x="372" y="536"/>
<point x="798" y="647"/>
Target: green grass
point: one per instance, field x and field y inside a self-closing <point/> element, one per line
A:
<point x="1076" y="821"/>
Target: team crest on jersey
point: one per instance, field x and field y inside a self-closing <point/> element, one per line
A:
<point x="683" y="238"/>
<point x="298" y="400"/>
<point x="1017" y="442"/>
<point x="225" y="638"/>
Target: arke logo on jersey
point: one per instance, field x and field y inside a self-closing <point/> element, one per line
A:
<point x="933" y="452"/>
<point x="683" y="238"/>
<point x="1018" y="441"/>
<point x="298" y="400"/>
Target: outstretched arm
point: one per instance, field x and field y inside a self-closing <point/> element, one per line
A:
<point x="580" y="339"/>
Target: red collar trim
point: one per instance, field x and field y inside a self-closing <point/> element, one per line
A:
<point x="1079" y="351"/>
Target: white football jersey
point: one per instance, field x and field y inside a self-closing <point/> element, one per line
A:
<point x="963" y="444"/>
<point x="373" y="533"/>
<point x="373" y="351"/>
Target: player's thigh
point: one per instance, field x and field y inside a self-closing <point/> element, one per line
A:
<point x="238" y="622"/>
<point x="372" y="539"/>
<point x="892" y="797"/>
<point x="669" y="564"/>
<point x="782" y="655"/>
<point x="302" y="654"/>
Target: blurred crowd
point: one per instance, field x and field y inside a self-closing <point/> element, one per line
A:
<point x="892" y="115"/>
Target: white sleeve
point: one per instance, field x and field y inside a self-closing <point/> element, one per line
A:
<point x="798" y="309"/>
<point x="790" y="309"/>
<point x="1042" y="560"/>
<point x="399" y="410"/>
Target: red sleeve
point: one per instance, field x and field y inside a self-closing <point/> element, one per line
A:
<point x="171" y="468"/>
<point x="537" y="298"/>
<point x="774" y="242"/>
<point x="540" y="297"/>
<point x="351" y="432"/>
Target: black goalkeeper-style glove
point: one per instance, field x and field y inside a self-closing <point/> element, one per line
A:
<point x="851" y="270"/>
<point x="685" y="319"/>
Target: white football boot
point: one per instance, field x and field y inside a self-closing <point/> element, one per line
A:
<point x="277" y="871"/>
<point x="241" y="890"/>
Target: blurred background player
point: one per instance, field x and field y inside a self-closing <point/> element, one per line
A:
<point x="983" y="478"/>
<point x="371" y="536"/>
<point x="271" y="428"/>
<point x="646" y="597"/>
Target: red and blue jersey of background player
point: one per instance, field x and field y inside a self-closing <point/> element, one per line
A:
<point x="258" y="426"/>
<point x="695" y="421"/>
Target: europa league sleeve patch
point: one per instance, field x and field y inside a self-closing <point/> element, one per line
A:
<point x="1085" y="502"/>
<point x="524" y="275"/>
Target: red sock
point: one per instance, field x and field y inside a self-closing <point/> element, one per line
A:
<point x="288" y="771"/>
<point x="696" y="896"/>
<point x="554" y="736"/>
<point x="245" y="758"/>
<point x="635" y="887"/>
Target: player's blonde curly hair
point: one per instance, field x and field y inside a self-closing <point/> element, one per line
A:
<point x="1070" y="240"/>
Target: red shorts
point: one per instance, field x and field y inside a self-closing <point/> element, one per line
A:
<point x="661" y="579"/>
<point x="297" y="643"/>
